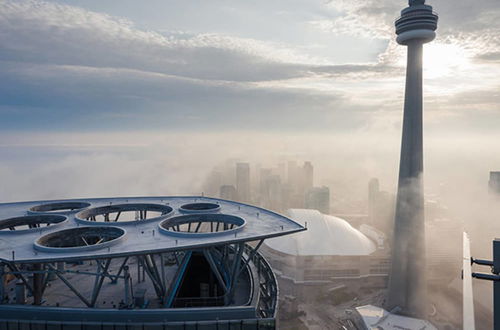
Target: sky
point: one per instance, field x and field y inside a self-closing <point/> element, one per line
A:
<point x="300" y="65"/>
<point x="95" y="93"/>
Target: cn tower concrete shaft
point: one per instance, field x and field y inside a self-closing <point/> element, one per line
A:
<point x="407" y="282"/>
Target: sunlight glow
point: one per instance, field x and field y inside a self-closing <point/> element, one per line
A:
<point x="444" y="59"/>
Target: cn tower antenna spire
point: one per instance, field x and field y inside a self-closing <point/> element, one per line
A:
<point x="407" y="282"/>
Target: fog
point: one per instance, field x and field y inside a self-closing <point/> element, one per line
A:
<point x="456" y="168"/>
<point x="39" y="166"/>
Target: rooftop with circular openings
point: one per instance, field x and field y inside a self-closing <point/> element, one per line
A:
<point x="202" y="225"/>
<point x="80" y="239"/>
<point x="59" y="207"/>
<point x="145" y="236"/>
<point x="31" y="222"/>
<point x="200" y="207"/>
<point x="124" y="213"/>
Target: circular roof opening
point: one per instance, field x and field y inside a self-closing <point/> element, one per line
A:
<point x="59" y="207"/>
<point x="200" y="207"/>
<point x="124" y="213"/>
<point x="31" y="222"/>
<point x="80" y="239"/>
<point x="202" y="225"/>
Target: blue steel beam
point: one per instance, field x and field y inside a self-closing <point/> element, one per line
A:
<point x="176" y="282"/>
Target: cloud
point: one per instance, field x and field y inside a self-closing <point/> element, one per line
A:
<point x="86" y="98"/>
<point x="472" y="25"/>
<point x="48" y="33"/>
<point x="489" y="57"/>
<point x="65" y="67"/>
<point x="370" y="19"/>
<point x="361" y="71"/>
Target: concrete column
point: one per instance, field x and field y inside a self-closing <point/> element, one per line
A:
<point x="37" y="284"/>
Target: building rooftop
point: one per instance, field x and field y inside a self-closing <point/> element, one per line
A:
<point x="53" y="230"/>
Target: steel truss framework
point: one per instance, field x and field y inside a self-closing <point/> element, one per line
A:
<point x="227" y="262"/>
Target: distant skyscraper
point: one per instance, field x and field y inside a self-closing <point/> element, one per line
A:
<point x="264" y="175"/>
<point x="228" y="192"/>
<point x="292" y="174"/>
<point x="308" y="177"/>
<point x="275" y="193"/>
<point x="373" y="196"/>
<point x="318" y="198"/>
<point x="443" y="259"/>
<point x="243" y="182"/>
<point x="494" y="182"/>
<point x="212" y="184"/>
<point x="407" y="284"/>
<point x="286" y="193"/>
<point x="282" y="171"/>
<point x="380" y="208"/>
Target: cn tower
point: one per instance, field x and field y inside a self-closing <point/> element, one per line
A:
<point x="407" y="282"/>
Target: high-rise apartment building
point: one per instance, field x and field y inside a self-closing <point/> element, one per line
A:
<point x="307" y="176"/>
<point x="243" y="182"/>
<point x="228" y="192"/>
<point x="494" y="182"/>
<point x="318" y="198"/>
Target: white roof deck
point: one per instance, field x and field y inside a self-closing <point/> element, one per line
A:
<point x="141" y="236"/>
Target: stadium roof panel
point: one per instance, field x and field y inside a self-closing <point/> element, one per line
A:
<point x="326" y="236"/>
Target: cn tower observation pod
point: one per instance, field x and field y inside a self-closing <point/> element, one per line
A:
<point x="417" y="22"/>
<point x="142" y="262"/>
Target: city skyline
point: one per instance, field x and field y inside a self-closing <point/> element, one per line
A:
<point x="280" y="187"/>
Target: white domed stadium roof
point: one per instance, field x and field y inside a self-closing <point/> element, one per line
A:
<point x="325" y="235"/>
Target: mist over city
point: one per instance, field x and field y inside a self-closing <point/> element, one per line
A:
<point x="285" y="110"/>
